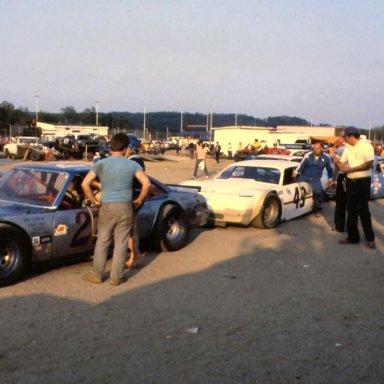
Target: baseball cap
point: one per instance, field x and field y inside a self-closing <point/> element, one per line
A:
<point x="351" y="131"/>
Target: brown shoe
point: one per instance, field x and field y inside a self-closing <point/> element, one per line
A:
<point x="347" y="241"/>
<point x="92" y="278"/>
<point x="371" y="244"/>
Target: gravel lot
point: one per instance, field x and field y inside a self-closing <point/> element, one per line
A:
<point x="236" y="305"/>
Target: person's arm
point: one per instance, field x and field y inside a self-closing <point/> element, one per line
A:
<point x="329" y="168"/>
<point x="86" y="185"/>
<point x="362" y="167"/>
<point x="145" y="187"/>
<point x="299" y="168"/>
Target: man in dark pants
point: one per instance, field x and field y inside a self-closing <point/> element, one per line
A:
<point x="359" y="155"/>
<point x="311" y="170"/>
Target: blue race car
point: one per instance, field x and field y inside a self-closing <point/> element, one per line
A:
<point x="44" y="216"/>
<point x="377" y="180"/>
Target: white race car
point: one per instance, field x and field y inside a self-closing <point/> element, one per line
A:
<point x="260" y="193"/>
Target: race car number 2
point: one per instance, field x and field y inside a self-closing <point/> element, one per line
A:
<point x="299" y="197"/>
<point x="84" y="232"/>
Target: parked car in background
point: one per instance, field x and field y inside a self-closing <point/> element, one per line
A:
<point x="18" y="146"/>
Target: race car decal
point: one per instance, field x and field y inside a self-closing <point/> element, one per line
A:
<point x="299" y="198"/>
<point x="36" y="240"/>
<point x="84" y="233"/>
<point x="61" y="230"/>
<point x="45" y="239"/>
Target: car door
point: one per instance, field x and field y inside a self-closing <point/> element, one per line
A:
<point x="74" y="224"/>
<point x="296" y="196"/>
<point x="74" y="231"/>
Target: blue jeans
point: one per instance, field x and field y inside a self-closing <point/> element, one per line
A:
<point x="114" y="226"/>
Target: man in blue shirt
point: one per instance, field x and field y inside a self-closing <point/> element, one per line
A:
<point x="311" y="170"/>
<point x="116" y="174"/>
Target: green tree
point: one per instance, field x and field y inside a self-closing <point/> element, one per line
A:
<point x="88" y="116"/>
<point x="70" y="116"/>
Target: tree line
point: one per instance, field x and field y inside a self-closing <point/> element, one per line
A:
<point x="158" y="123"/>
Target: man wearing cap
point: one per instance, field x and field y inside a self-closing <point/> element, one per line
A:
<point x="311" y="170"/>
<point x="359" y="156"/>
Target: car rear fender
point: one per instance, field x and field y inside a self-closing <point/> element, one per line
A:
<point x="165" y="207"/>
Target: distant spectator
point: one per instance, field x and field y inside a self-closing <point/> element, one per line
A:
<point x="229" y="150"/>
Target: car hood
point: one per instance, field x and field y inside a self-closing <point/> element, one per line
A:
<point x="231" y="186"/>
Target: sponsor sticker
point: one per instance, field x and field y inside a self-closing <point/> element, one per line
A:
<point x="36" y="240"/>
<point x="61" y="230"/>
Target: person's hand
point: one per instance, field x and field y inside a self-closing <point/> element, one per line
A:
<point x="136" y="204"/>
<point x="346" y="169"/>
<point x="294" y="174"/>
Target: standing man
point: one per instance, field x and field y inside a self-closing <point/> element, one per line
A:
<point x="217" y="152"/>
<point x="229" y="149"/>
<point x="201" y="156"/>
<point x="311" y="170"/>
<point x="191" y="147"/>
<point x="359" y="155"/>
<point x="116" y="175"/>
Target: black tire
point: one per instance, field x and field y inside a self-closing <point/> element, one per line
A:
<point x="7" y="154"/>
<point x="171" y="229"/>
<point x="270" y="213"/>
<point x="14" y="254"/>
<point x="35" y="156"/>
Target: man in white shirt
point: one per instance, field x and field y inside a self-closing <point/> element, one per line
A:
<point x="359" y="155"/>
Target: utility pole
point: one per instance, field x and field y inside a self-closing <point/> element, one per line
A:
<point x="37" y="108"/>
<point x="144" y="128"/>
<point x="97" y="113"/>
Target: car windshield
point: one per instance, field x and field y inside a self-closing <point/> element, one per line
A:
<point x="30" y="186"/>
<point x="28" y="140"/>
<point x="263" y="174"/>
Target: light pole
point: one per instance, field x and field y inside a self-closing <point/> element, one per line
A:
<point x="144" y="127"/>
<point x="37" y="108"/>
<point x="97" y="113"/>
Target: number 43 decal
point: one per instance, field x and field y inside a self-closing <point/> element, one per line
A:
<point x="299" y="198"/>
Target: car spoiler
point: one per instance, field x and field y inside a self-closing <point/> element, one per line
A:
<point x="184" y="188"/>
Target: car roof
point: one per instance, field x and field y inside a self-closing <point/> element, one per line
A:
<point x="282" y="157"/>
<point x="280" y="164"/>
<point x="68" y="167"/>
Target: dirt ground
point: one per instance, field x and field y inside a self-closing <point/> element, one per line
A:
<point x="236" y="305"/>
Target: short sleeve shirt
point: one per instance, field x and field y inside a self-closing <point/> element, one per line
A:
<point x="116" y="174"/>
<point x="356" y="155"/>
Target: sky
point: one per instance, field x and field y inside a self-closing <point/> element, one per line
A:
<point x="322" y="60"/>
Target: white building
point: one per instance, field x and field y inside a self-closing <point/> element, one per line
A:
<point x="51" y="131"/>
<point x="282" y="134"/>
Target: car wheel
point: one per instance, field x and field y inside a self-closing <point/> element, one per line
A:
<point x="35" y="156"/>
<point x="270" y="213"/>
<point x="14" y="254"/>
<point x="7" y="154"/>
<point x="171" y="229"/>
